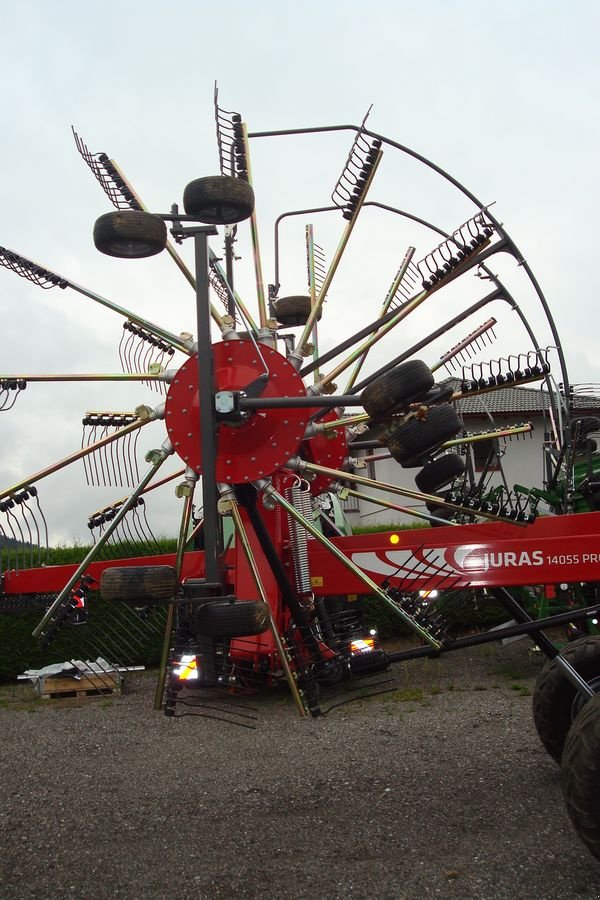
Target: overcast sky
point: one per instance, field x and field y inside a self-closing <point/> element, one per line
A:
<point x="503" y="96"/>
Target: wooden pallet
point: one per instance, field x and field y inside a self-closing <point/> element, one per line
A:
<point x="53" y="687"/>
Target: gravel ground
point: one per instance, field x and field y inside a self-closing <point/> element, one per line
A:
<point x="437" y="789"/>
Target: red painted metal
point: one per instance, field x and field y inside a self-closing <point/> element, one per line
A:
<point x="256" y="447"/>
<point x="553" y="550"/>
<point x="330" y="449"/>
<point x="52" y="579"/>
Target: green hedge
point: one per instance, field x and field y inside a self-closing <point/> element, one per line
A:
<point x="113" y="631"/>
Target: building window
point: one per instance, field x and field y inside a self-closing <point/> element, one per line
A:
<point x="485" y="456"/>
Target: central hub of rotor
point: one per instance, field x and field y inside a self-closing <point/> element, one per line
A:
<point x="254" y="445"/>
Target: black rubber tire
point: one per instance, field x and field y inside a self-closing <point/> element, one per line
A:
<point x="130" y="234"/>
<point x="585" y="425"/>
<point x="442" y="512"/>
<point x="439" y="393"/>
<point x="242" y="618"/>
<point x="293" y="311"/>
<point x="440" y="472"/>
<point x="403" y="383"/>
<point x="219" y="200"/>
<point x="586" y="445"/>
<point x="580" y="775"/>
<point x="417" y="437"/>
<point x="554" y="695"/>
<point x="139" y="585"/>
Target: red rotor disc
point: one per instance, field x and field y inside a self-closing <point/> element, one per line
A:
<point x="256" y="447"/>
<point x="330" y="449"/>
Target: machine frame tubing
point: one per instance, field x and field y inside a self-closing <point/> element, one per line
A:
<point x="206" y="392"/>
<point x="186" y="515"/>
<point x="289" y="675"/>
<point x="270" y="491"/>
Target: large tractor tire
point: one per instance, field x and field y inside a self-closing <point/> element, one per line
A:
<point x="580" y="775"/>
<point x="556" y="702"/>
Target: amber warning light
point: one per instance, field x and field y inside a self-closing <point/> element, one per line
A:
<point x="186" y="669"/>
<point x="362" y="645"/>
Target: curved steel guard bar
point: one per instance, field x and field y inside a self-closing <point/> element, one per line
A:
<point x="502" y="294"/>
<point x="467" y="193"/>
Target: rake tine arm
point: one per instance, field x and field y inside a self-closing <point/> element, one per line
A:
<point x="122" y="195"/>
<point x="270" y="493"/>
<point x="186" y="490"/>
<point x="379" y="501"/>
<point x="386" y="305"/>
<point x="301" y="466"/>
<point x="296" y="357"/>
<point x="150" y="416"/>
<point x="46" y="279"/>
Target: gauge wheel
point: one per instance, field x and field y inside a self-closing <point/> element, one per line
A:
<point x="293" y="311"/>
<point x="418" y="436"/>
<point x="440" y="472"/>
<point x="130" y="234"/>
<point x="219" y="200"/>
<point x="138" y="585"/>
<point x="403" y="383"/>
<point x="227" y="618"/>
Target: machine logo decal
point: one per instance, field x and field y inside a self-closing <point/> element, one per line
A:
<point x="462" y="560"/>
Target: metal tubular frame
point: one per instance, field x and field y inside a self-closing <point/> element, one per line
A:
<point x="186" y="517"/>
<point x="270" y="491"/>
<point x="241" y="532"/>
<point x="457" y="184"/>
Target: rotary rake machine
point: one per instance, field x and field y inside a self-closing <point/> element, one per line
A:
<point x="264" y="586"/>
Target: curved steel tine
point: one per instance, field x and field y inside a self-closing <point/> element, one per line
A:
<point x="92" y="457"/>
<point x="84" y="459"/>
<point x="135" y="458"/>
<point x="127" y="352"/>
<point x="122" y="342"/>
<point x="101" y="454"/>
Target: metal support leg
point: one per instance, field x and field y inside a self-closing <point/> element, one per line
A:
<point x="289" y="675"/>
<point x="187" y="491"/>
<point x="212" y="535"/>
<point x="544" y="643"/>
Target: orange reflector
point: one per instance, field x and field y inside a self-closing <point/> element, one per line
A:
<point x="394" y="538"/>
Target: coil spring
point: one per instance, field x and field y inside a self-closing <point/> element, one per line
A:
<point x="300" y="500"/>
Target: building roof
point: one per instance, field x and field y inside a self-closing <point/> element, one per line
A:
<point x="523" y="400"/>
